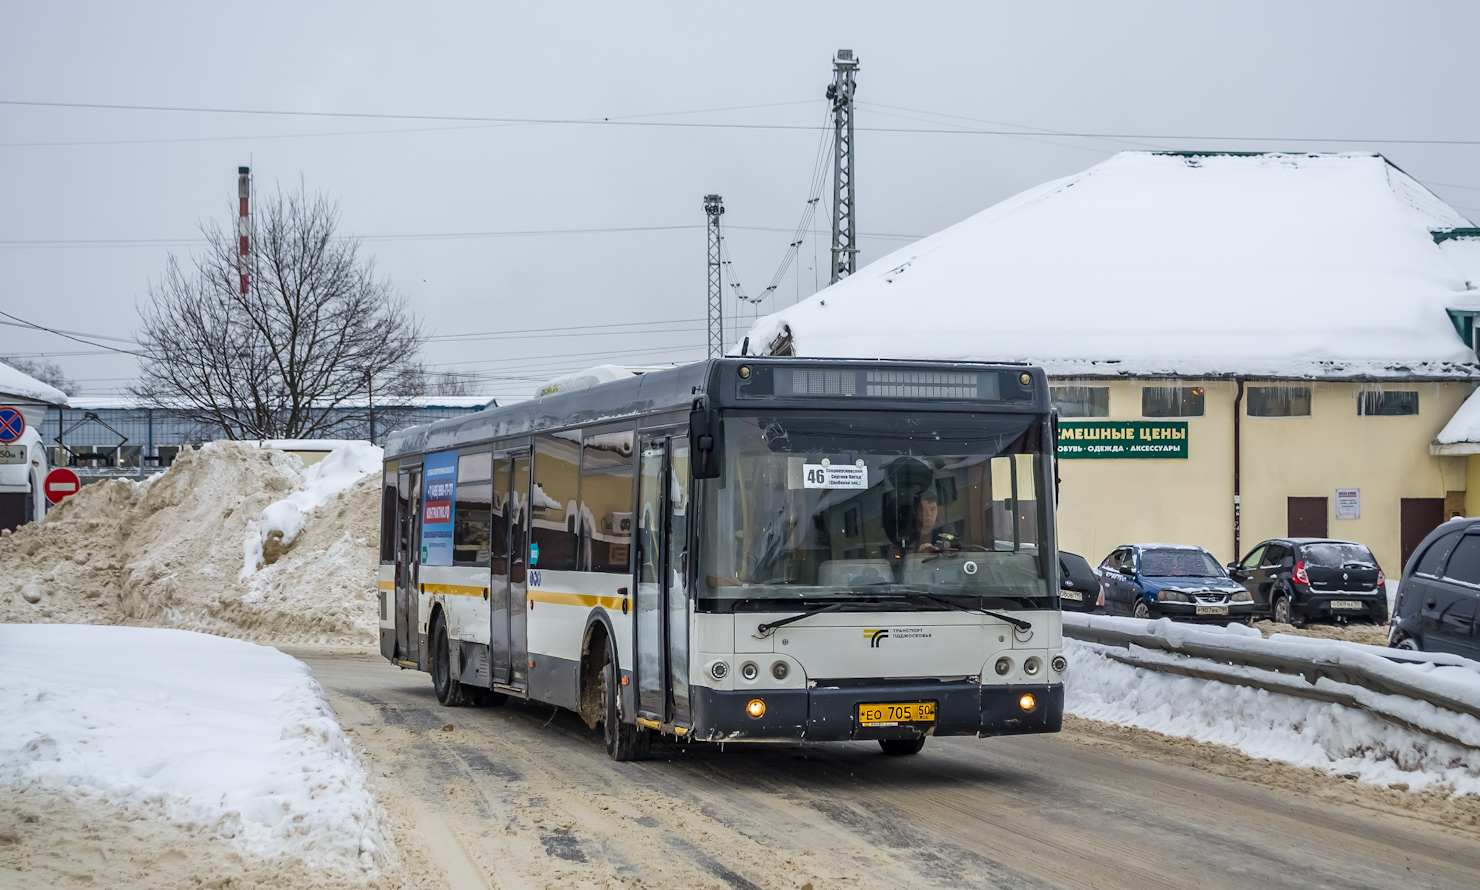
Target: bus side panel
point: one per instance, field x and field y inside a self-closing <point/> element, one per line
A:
<point x="559" y="605"/>
<point x="386" y="596"/>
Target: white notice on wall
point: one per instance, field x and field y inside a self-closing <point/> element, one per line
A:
<point x="1348" y="503"/>
<point x="827" y="476"/>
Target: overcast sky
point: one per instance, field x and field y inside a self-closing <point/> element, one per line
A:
<point x="110" y="192"/>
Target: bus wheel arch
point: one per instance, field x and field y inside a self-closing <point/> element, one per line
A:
<point x="595" y="642"/>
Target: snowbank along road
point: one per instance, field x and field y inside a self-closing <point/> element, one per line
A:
<point x="521" y="796"/>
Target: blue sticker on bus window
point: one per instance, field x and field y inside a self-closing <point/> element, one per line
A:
<point x="534" y="554"/>
<point x="438" y="496"/>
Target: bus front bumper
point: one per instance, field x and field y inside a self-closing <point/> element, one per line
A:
<point x="829" y="713"/>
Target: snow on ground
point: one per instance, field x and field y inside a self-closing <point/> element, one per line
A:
<point x="168" y="552"/>
<point x="1329" y="737"/>
<point x="228" y="740"/>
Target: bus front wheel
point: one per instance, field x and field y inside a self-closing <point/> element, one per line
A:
<point x="624" y="741"/>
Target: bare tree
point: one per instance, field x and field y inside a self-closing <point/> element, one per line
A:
<point x="297" y="356"/>
<point x="49" y="373"/>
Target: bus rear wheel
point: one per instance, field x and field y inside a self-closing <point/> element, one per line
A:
<point x="449" y="691"/>
<point x="901" y="747"/>
<point x="624" y="741"/>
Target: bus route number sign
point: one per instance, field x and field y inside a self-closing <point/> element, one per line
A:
<point x="828" y="476"/>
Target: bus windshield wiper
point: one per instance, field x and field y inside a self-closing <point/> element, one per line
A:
<point x="764" y="630"/>
<point x="1018" y="623"/>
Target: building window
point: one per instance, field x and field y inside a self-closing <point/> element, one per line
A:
<point x="1278" y="401"/>
<point x="1171" y="401"/>
<point x="1387" y="404"/>
<point x="1081" y="401"/>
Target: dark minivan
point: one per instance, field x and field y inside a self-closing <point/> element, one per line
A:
<point x="1295" y="580"/>
<point x="1438" y="607"/>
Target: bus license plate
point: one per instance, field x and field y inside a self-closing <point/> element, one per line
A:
<point x="891" y="714"/>
<point x="1212" y="610"/>
<point x="1071" y="595"/>
<point x="1345" y="604"/>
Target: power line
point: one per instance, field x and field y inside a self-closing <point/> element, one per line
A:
<point x="621" y="122"/>
<point x="27" y="324"/>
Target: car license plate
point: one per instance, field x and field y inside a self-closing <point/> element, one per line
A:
<point x="1212" y="610"/>
<point x="892" y="714"/>
<point x="1345" y="604"/>
<point x="1071" y="595"/>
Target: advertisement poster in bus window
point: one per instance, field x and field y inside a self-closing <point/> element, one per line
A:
<point x="437" y="506"/>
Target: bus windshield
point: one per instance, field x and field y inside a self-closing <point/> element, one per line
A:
<point x="860" y="504"/>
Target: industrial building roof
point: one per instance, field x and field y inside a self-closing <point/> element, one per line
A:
<point x="1175" y="264"/>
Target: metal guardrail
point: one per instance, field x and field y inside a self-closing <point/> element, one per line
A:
<point x="1310" y="670"/>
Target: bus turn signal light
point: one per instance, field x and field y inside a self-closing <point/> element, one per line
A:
<point x="1027" y="702"/>
<point x="756" y="708"/>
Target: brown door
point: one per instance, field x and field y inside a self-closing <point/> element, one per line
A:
<point x="1307" y="517"/>
<point x="1419" y="517"/>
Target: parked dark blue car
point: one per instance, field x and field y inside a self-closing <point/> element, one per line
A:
<point x="1171" y="581"/>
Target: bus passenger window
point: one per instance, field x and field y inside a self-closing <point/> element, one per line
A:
<point x="606" y="502"/>
<point x="501" y="514"/>
<point x="471" y="525"/>
<point x="388" y="520"/>
<point x="553" y="532"/>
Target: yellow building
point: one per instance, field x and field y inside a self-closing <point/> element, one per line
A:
<point x="1241" y="346"/>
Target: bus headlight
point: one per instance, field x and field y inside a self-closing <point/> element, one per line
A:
<point x="755" y="708"/>
<point x="1028" y="702"/>
<point x="749" y="671"/>
<point x="719" y="670"/>
<point x="1004" y="666"/>
<point x="780" y="670"/>
<point x="1060" y="664"/>
<point x="1032" y="666"/>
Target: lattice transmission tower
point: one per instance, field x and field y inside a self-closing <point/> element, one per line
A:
<point x="844" y="233"/>
<point x="714" y="208"/>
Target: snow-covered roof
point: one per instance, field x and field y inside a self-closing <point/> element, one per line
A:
<point x="18" y="385"/>
<point x="1167" y="263"/>
<point x="1461" y="434"/>
<point x="93" y="403"/>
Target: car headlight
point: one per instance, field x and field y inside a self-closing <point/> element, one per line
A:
<point x="1173" y="596"/>
<point x="1241" y="596"/>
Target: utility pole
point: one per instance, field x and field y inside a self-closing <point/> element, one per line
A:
<point x="844" y="233"/>
<point x="714" y="207"/>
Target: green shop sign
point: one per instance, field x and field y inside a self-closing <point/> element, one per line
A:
<point x="1080" y="439"/>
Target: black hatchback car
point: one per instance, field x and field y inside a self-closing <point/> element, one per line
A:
<point x="1438" y="607"/>
<point x="1079" y="589"/>
<point x="1295" y="580"/>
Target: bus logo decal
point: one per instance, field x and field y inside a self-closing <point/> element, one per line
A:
<point x="875" y="637"/>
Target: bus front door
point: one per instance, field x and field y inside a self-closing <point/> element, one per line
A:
<point x="408" y="562"/>
<point x="662" y="625"/>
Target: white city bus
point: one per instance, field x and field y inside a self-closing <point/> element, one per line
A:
<point x="739" y="549"/>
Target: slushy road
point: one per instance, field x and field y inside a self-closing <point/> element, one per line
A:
<point x="525" y="796"/>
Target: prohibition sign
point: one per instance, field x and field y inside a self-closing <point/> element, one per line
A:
<point x="60" y="483"/>
<point x="12" y="424"/>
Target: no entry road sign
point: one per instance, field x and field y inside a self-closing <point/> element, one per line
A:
<point x="60" y="483"/>
<point x="12" y="424"/>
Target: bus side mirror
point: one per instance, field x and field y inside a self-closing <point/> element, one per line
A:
<point x="705" y="438"/>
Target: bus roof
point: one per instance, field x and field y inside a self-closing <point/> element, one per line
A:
<point x="675" y="389"/>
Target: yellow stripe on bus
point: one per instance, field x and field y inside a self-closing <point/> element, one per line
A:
<point x="575" y="599"/>
<point x="387" y="585"/>
<point x="453" y="589"/>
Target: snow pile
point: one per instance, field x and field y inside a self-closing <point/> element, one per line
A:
<point x="281" y="521"/>
<point x="168" y="551"/>
<point x="220" y="737"/>
<point x="1170" y="263"/>
<point x="1388" y="739"/>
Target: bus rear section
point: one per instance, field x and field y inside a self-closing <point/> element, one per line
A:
<point x="760" y="549"/>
